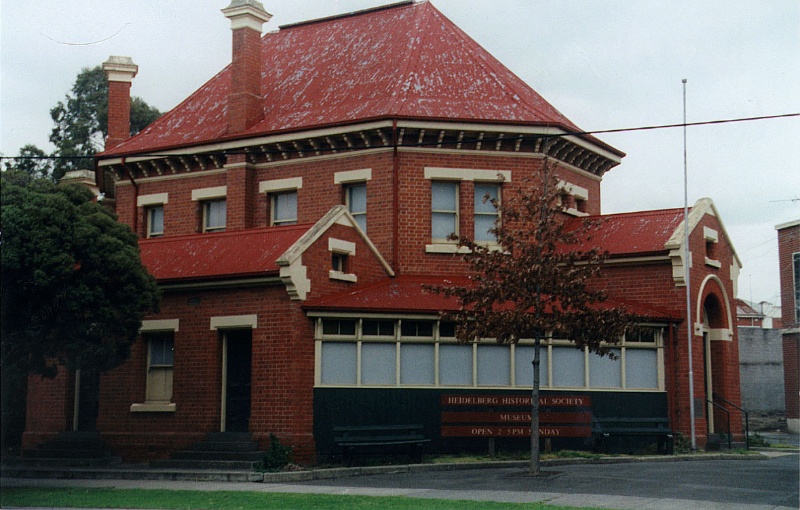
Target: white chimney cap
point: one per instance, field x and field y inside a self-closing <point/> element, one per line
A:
<point x="120" y="68"/>
<point x="246" y="14"/>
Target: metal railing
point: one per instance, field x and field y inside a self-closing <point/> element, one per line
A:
<point x="728" y="417"/>
<point x="746" y="418"/>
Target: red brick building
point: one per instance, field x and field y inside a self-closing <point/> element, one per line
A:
<point x="292" y="208"/>
<point x="789" y="263"/>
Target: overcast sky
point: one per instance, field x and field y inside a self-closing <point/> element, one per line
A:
<point x="605" y="64"/>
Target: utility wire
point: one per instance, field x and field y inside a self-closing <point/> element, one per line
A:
<point x="556" y="135"/>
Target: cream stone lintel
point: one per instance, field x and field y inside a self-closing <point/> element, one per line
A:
<point x="709" y="234"/>
<point x="352" y="176"/>
<point x="340" y="246"/>
<point x="160" y="325"/>
<point x="576" y="191"/>
<point x="209" y="193"/>
<point x="234" y="321"/>
<point x="277" y="185"/>
<point x="154" y="199"/>
<point x="467" y="174"/>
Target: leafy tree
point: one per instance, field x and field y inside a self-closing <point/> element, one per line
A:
<point x="536" y="284"/>
<point x="74" y="290"/>
<point x="32" y="161"/>
<point x="81" y="121"/>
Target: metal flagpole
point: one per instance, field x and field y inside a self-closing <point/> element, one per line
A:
<point x="686" y="270"/>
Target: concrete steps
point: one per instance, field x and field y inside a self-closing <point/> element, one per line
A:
<point x="221" y="451"/>
<point x="719" y="442"/>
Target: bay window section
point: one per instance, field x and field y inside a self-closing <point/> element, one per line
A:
<point x="378" y="364"/>
<point x="380" y="352"/>
<point x="339" y="363"/>
<point x="417" y="364"/>
<point x="567" y="364"/>
<point x="455" y="365"/>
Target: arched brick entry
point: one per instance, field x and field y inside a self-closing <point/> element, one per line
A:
<point x="715" y="326"/>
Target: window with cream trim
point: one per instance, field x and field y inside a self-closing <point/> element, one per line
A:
<point x="444" y="210"/>
<point x="155" y="221"/>
<point x="283" y="208"/>
<point x="376" y="352"/>
<point x="485" y="213"/>
<point x="214" y="215"/>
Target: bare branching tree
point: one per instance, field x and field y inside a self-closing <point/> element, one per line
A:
<point x="535" y="281"/>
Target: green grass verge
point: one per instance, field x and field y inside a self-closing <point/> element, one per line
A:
<point x="229" y="500"/>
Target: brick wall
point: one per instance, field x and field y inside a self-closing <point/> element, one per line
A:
<point x="788" y="245"/>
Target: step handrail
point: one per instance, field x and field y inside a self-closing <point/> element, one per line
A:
<point x="746" y="418"/>
<point x="727" y="415"/>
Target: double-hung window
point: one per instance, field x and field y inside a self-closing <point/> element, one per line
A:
<point x="486" y="214"/>
<point x="153" y="207"/>
<point x="214" y="214"/>
<point x="282" y="200"/>
<point x="450" y="188"/>
<point x="444" y="210"/>
<point x="155" y="221"/>
<point x="354" y="187"/>
<point x="283" y="207"/>
<point x="160" y="361"/>
<point x="356" y="202"/>
<point x="213" y="207"/>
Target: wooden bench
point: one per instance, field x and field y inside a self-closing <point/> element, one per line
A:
<point x="658" y="428"/>
<point x="380" y="439"/>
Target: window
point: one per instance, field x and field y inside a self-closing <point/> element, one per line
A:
<point x="355" y="196"/>
<point x="284" y="208"/>
<point x="339" y="262"/>
<point x="444" y="210"/>
<point x="711" y="237"/>
<point x="384" y="328"/>
<point x="574" y="198"/>
<point x="160" y="359"/>
<point x="486" y="214"/>
<point x="214" y="212"/>
<point x="153" y="207"/>
<point x="366" y="352"/>
<point x="338" y="327"/>
<point x="341" y="253"/>
<point x="155" y="221"/>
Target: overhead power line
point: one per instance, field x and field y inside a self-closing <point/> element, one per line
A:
<point x="566" y="133"/>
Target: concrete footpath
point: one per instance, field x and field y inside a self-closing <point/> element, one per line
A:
<point x="755" y="482"/>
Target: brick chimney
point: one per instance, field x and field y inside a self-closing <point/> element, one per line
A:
<point x="245" y="106"/>
<point x="120" y="72"/>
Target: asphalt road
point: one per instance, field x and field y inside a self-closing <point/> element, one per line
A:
<point x="764" y="483"/>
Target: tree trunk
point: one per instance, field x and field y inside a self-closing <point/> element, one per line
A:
<point x="534" y="467"/>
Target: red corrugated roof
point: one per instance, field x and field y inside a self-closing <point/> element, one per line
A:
<point x="243" y="253"/>
<point x="636" y="233"/>
<point x="407" y="294"/>
<point x="403" y="61"/>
